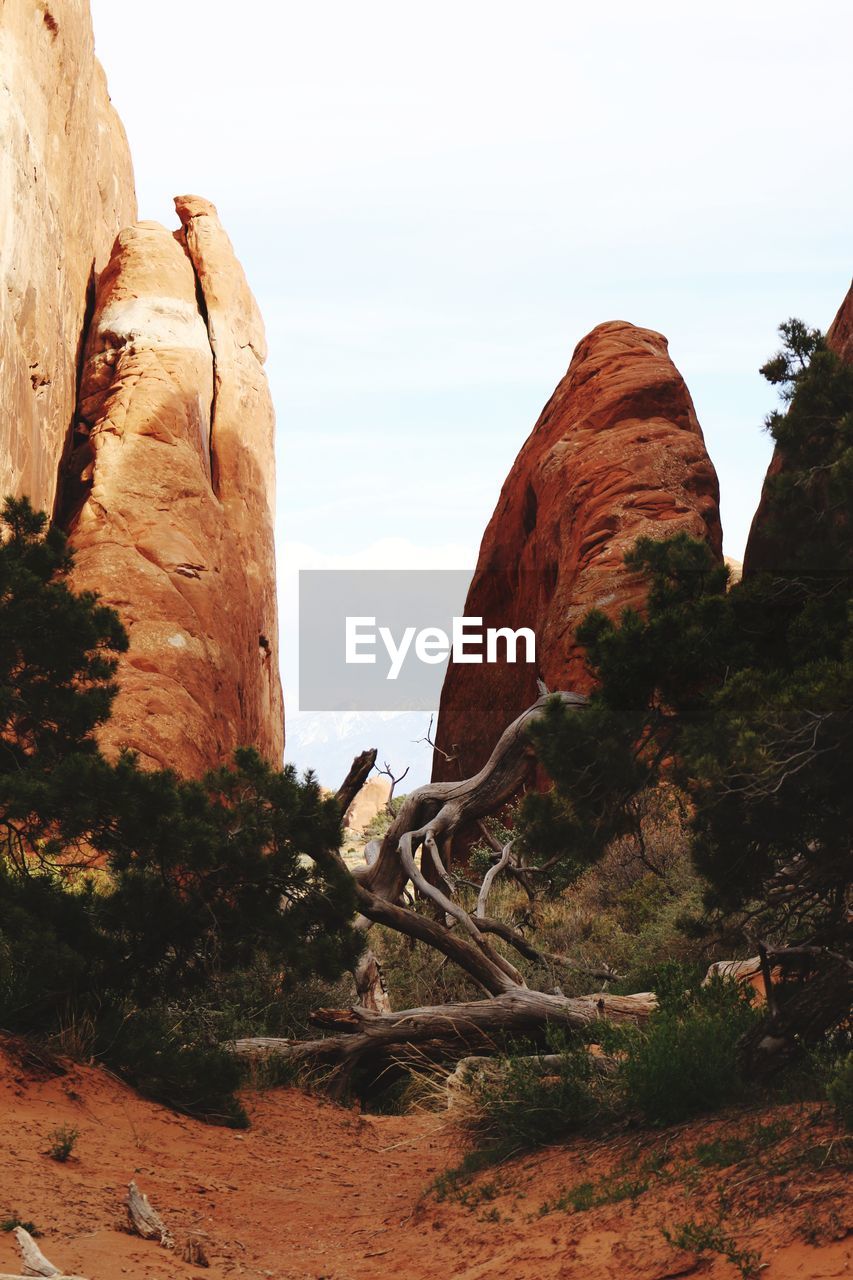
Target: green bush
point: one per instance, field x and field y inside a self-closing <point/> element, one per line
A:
<point x="684" y="1060"/>
<point x="63" y="1142"/>
<point x="519" y="1104"/>
<point x="709" y="1237"/>
<point x="13" y="1220"/>
<point x="148" y="1050"/>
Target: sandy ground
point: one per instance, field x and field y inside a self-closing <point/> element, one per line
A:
<point x="315" y="1192"/>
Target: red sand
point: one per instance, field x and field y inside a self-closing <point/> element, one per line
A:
<point x="314" y="1192"/>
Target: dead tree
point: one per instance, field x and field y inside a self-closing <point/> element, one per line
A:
<point x="377" y="1042"/>
<point x="420" y="836"/>
<point x="369" y="981"/>
<point x="395" y="778"/>
<point x="434" y="814"/>
<point x="355" y="779"/>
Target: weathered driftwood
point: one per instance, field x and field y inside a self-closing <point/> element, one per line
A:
<point x="144" y="1218"/>
<point x="33" y="1261"/>
<point x="194" y="1252"/>
<point x="736" y="970"/>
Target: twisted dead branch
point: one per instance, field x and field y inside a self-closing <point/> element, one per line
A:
<point x="355" y="779"/>
<point x="371" y="1036"/>
<point x="443" y="809"/>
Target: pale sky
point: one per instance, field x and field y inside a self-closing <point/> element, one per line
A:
<point x="435" y="202"/>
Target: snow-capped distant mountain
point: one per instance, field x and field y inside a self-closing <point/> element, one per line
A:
<point x="326" y="742"/>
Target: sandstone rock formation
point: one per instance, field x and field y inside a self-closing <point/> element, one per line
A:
<point x="617" y="453"/>
<point x="169" y="497"/>
<point x="371" y="800"/>
<point x="735" y="568"/>
<point x="163" y="473"/>
<point x="769" y="548"/>
<point x="839" y="335"/>
<point x="66" y="189"/>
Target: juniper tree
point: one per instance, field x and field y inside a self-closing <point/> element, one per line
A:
<point x="118" y="883"/>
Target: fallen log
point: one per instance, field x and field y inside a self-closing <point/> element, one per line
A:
<point x="376" y="1042"/>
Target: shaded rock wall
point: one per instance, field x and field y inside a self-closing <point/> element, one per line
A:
<point x="617" y="453"/>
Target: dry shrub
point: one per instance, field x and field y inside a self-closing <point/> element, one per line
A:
<point x="630" y="911"/>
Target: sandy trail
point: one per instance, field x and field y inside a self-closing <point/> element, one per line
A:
<point x="314" y="1192"/>
<point x="309" y="1190"/>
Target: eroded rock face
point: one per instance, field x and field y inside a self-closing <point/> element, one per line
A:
<point x="167" y="461"/>
<point x="839" y="335"/>
<point x="616" y="454"/>
<point x="168" y="499"/>
<point x="66" y="189"/>
<point x="770" y="548"/>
